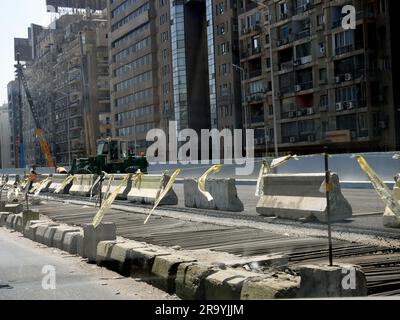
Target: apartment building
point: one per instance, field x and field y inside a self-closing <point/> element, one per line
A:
<point x="160" y="67"/>
<point x="333" y="86"/>
<point x="68" y="78"/>
<point x="228" y="73"/>
<point x="5" y="138"/>
<point x="81" y="88"/>
<point x="12" y="97"/>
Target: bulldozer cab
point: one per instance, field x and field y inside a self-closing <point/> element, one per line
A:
<point x="114" y="149"/>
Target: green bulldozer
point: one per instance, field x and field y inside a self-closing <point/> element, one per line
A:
<point x="112" y="157"/>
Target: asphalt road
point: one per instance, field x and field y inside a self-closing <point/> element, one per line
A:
<point x="21" y="266"/>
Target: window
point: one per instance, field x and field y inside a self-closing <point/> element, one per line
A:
<point x="323" y="101"/>
<point x="323" y="75"/>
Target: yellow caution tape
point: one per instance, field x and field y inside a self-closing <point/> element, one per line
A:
<point x="164" y="192"/>
<point x="110" y="181"/>
<point x="266" y="168"/>
<point x="381" y="188"/>
<point x="137" y="179"/>
<point x="326" y="187"/>
<point x="42" y="185"/>
<point x="202" y="181"/>
<point x="107" y="204"/>
<point x="21" y="186"/>
<point x="66" y="182"/>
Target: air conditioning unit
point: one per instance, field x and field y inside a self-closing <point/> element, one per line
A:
<point x="292" y="139"/>
<point x="338" y="79"/>
<point x="299" y="113"/>
<point x="297" y="62"/>
<point x="311" y="138"/>
<point x="297" y="88"/>
<point x="292" y="114"/>
<point x="285" y="41"/>
<point x="310" y="111"/>
<point x="339" y="106"/>
<point x="348" y="76"/>
<point x="278" y="43"/>
<point x="283" y="16"/>
<point x="350" y="105"/>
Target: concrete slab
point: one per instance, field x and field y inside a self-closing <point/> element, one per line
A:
<point x="104" y="249"/>
<point x="164" y="271"/>
<point x="28" y="226"/>
<point x="190" y="279"/>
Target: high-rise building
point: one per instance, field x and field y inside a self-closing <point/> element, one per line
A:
<point x="333" y="86"/>
<point x="5" y="138"/>
<point x="68" y="79"/>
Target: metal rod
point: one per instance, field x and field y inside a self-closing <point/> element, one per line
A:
<point x="328" y="207"/>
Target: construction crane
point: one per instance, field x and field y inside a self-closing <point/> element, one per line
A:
<point x="44" y="146"/>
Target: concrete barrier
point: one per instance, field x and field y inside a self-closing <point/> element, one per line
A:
<point x="3" y="180"/>
<point x="147" y="190"/>
<point x="223" y="191"/>
<point x="28" y="232"/>
<point x="14" y="208"/>
<point x="323" y="281"/>
<point x="12" y="181"/>
<point x="164" y="271"/>
<point x="3" y="218"/>
<point x="82" y="185"/>
<point x="39" y="179"/>
<point x="91" y="238"/>
<point x="190" y="279"/>
<point x="29" y="215"/>
<point x="41" y="231"/>
<point x="123" y="194"/>
<point x="17" y="224"/>
<point x="142" y="259"/>
<point x="57" y="180"/>
<point x="10" y="220"/>
<point x="299" y="196"/>
<point x="70" y="242"/>
<point x="226" y="284"/>
<point x="60" y="234"/>
<point x="390" y="219"/>
<point x="277" y="286"/>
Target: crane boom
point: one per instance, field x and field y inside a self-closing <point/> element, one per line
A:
<point x="44" y="146"/>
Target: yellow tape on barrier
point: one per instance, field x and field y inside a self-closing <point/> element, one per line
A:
<point x="266" y="168"/>
<point x="42" y="185"/>
<point x="108" y="202"/>
<point x="202" y="181"/>
<point x="381" y="188"/>
<point x="66" y="182"/>
<point x="164" y="192"/>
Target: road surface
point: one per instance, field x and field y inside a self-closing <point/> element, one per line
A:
<point x="22" y="262"/>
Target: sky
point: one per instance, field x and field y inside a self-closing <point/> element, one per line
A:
<point x="17" y="15"/>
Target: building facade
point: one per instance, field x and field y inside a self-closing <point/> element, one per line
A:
<point x="333" y="86"/>
<point x="5" y="138"/>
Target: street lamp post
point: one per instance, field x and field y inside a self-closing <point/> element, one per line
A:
<point x="241" y="70"/>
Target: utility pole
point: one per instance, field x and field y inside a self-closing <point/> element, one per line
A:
<point x="241" y="70"/>
<point x="21" y="151"/>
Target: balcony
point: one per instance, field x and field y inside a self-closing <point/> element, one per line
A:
<point x="302" y="34"/>
<point x="343" y="50"/>
<point x="255" y="73"/>
<point x="303" y="86"/>
<point x="256" y="119"/>
<point x="304" y="8"/>
<point x="283" y="41"/>
<point x="255" y="97"/>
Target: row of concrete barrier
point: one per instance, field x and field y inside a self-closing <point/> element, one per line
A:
<point x="187" y="275"/>
<point x="287" y="196"/>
